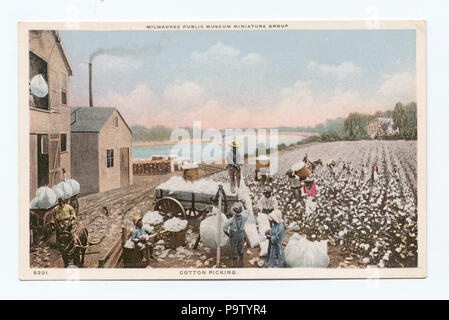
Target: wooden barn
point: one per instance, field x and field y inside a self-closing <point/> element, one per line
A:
<point x="101" y="149"/>
<point x="49" y="111"/>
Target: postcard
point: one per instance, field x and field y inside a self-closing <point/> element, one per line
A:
<point x="222" y="150"/>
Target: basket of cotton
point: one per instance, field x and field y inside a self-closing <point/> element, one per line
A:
<point x="176" y="236"/>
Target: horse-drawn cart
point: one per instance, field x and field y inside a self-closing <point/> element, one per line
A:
<point x="43" y="204"/>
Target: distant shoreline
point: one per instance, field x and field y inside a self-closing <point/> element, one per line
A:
<point x="169" y="142"/>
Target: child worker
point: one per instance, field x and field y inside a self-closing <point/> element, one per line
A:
<point x="234" y="228"/>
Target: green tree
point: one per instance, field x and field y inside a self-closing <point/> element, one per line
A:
<point x="399" y="118"/>
<point x="355" y="124"/>
<point x="412" y="123"/>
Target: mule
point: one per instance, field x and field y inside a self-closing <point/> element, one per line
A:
<point x="73" y="243"/>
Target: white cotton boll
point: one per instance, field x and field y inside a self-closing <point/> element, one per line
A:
<point x="208" y="231"/>
<point x="174" y="224"/>
<point x="152" y="218"/>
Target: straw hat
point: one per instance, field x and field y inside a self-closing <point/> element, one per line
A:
<point x="276" y="216"/>
<point x="237" y="209"/>
<point x="136" y="219"/>
<point x="235" y="144"/>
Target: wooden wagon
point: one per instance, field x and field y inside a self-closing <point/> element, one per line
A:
<point x="186" y="204"/>
<point x="40" y="220"/>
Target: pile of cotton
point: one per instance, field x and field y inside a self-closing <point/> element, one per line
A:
<point x="174" y="224"/>
<point x="302" y="253"/>
<point x="204" y="186"/>
<point x="45" y="198"/>
<point x="152" y="218"/>
<point x="208" y="231"/>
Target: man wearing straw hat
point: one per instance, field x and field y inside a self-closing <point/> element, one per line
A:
<point x="234" y="228"/>
<point x="139" y="237"/>
<point x="234" y="161"/>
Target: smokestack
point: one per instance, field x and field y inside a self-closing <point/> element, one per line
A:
<point x="90" y="85"/>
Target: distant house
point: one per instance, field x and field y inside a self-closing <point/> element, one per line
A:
<point x="380" y="127"/>
<point x="49" y="110"/>
<point x="101" y="147"/>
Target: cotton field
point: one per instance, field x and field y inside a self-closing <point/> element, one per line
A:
<point x="375" y="222"/>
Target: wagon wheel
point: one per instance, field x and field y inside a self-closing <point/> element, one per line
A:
<point x="170" y="207"/>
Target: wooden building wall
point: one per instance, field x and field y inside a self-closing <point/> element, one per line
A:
<point x="56" y="120"/>
<point x="114" y="137"/>
<point x="84" y="163"/>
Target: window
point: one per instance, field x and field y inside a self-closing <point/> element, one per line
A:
<point x="38" y="66"/>
<point x="63" y="142"/>
<point x="115" y="122"/>
<point x="64" y="89"/>
<point x="110" y="158"/>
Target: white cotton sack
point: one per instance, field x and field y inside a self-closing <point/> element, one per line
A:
<point x="263" y="248"/>
<point x="74" y="185"/>
<point x="302" y="253"/>
<point x="251" y="235"/>
<point x="45" y="198"/>
<point x="208" y="231"/>
<point x="66" y="188"/>
<point x="152" y="218"/>
<point x="39" y="86"/>
<point x="174" y="224"/>
<point x="58" y="190"/>
<point x="264" y="225"/>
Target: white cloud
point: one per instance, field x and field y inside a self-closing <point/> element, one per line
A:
<point x="399" y="87"/>
<point x="216" y="51"/>
<point x="137" y="107"/>
<point x="220" y="52"/>
<point x="340" y="71"/>
<point x="183" y="94"/>
<point x="252" y="59"/>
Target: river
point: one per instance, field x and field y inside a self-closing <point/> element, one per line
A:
<point x="209" y="151"/>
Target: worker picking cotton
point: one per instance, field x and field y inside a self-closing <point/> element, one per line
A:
<point x="267" y="203"/>
<point x="234" y="161"/>
<point x="139" y="237"/>
<point x="275" y="255"/>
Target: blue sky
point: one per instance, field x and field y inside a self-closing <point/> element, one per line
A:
<point x="243" y="78"/>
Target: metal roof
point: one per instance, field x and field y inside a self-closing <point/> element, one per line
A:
<point x="89" y="119"/>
